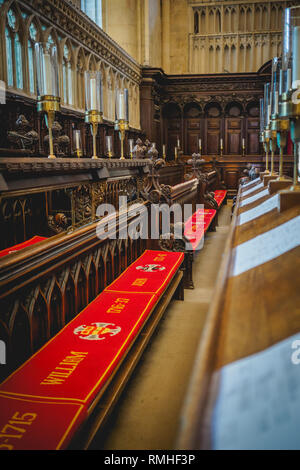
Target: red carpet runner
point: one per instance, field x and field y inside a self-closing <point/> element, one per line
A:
<point x="20" y="246"/>
<point x="45" y="400"/>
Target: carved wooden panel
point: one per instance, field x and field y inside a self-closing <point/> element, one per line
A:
<point x="253" y="145"/>
<point x="231" y="178"/>
<point x="31" y="315"/>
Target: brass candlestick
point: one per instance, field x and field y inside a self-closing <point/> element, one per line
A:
<point x="281" y="126"/>
<point x="291" y="110"/>
<point x="267" y="149"/>
<point x="94" y="118"/>
<point x="273" y="142"/>
<point x="122" y="126"/>
<point x="176" y="154"/>
<point x="49" y="105"/>
<point x="290" y="91"/>
<point x="77" y="140"/>
<point x="295" y="135"/>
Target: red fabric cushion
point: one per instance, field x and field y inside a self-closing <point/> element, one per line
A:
<point x="38" y="425"/>
<point x="56" y="386"/>
<point x="20" y="246"/>
<point x="197" y="225"/>
<point x="73" y="366"/>
<point x="220" y="196"/>
<point x="149" y="274"/>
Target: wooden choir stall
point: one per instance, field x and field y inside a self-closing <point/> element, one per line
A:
<point x="245" y="382"/>
<point x="114" y="180"/>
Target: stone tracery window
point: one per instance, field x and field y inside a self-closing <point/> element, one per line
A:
<point x="9" y="56"/>
<point x="196" y="22"/>
<point x="93" y="9"/>
<point x="32" y="39"/>
<point x="67" y="76"/>
<point x="80" y="68"/>
<point x="14" y="55"/>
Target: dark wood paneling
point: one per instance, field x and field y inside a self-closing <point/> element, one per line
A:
<point x="253" y="145"/>
<point x="207" y="106"/>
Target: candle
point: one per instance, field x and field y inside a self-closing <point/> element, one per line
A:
<point x="176" y="153"/>
<point x="276" y="102"/>
<point x="93" y="94"/>
<point x="221" y="143"/>
<point x="164" y="150"/>
<point x="77" y="140"/>
<point x="47" y="74"/>
<point x="121" y="106"/>
<point x="101" y="96"/>
<point x="126" y="104"/>
<point x="131" y="145"/>
<point x="296" y="57"/>
<point x="178" y="143"/>
<point x="200" y="144"/>
<point x="108" y="143"/>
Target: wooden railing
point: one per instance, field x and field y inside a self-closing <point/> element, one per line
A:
<point x="43" y="287"/>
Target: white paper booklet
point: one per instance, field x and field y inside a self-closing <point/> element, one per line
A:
<point x="250" y="182"/>
<point x="258" y="401"/>
<point x="263" y="208"/>
<point x="258" y="196"/>
<point x="249" y="191"/>
<point x="265" y="247"/>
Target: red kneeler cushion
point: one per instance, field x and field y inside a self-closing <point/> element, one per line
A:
<point x="197" y="225"/>
<point x="149" y="274"/>
<point x="48" y="397"/>
<point x="220" y="196"/>
<point x="20" y="246"/>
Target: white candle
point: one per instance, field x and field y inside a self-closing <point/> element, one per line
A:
<point x="77" y="140"/>
<point x="121" y="106"/>
<point x="296" y="57"/>
<point x="93" y="94"/>
<point x="175" y="153"/>
<point x="108" y="140"/>
<point x="178" y="143"/>
<point x="47" y="75"/>
<point x="131" y="145"/>
<point x="164" y="149"/>
<point x="126" y="104"/>
<point x="221" y="143"/>
<point x="276" y="102"/>
<point x="243" y="142"/>
<point x="200" y="144"/>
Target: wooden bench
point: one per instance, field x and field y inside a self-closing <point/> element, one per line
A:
<point x="61" y="396"/>
<point x="209" y="194"/>
<point x="192" y="240"/>
<point x="255" y="306"/>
